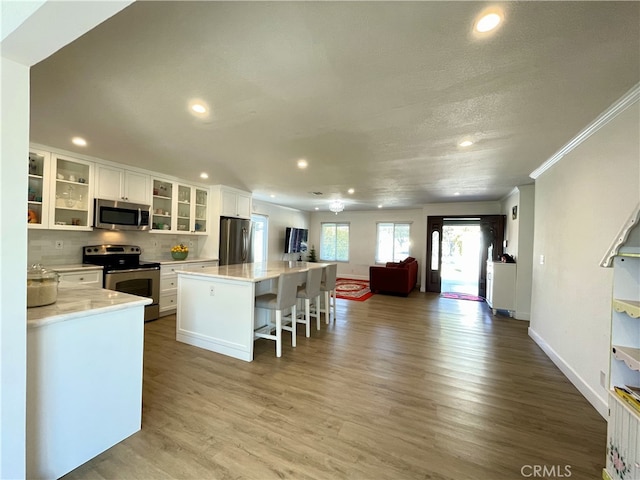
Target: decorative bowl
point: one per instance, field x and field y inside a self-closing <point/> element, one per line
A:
<point x="179" y="255"/>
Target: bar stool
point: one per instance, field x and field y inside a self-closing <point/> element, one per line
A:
<point x="328" y="287"/>
<point x="285" y="298"/>
<point x="308" y="291"/>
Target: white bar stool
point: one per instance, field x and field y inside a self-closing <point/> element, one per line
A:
<point x="308" y="291"/>
<point x="328" y="288"/>
<point x="285" y="298"/>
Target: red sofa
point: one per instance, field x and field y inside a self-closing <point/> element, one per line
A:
<point x="399" y="278"/>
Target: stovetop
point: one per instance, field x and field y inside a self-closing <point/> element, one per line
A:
<point x="115" y="257"/>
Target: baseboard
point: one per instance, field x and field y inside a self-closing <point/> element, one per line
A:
<point x="587" y="392"/>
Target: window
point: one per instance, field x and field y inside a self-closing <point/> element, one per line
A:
<point x="260" y="229"/>
<point x="393" y="242"/>
<point x="334" y="242"/>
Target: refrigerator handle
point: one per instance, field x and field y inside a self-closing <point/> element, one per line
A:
<point x="245" y="239"/>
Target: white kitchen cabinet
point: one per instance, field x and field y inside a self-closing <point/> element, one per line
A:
<point x="169" y="282"/>
<point x="234" y="203"/>
<point x="71" y="193"/>
<point x="501" y="286"/>
<point x="179" y="208"/>
<point x="115" y="183"/>
<point x="623" y="425"/>
<point x="38" y="190"/>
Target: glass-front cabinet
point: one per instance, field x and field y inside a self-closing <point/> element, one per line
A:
<point x="38" y="193"/>
<point x="200" y="225"/>
<point x="72" y="204"/>
<point x="162" y="206"/>
<point x="184" y="208"/>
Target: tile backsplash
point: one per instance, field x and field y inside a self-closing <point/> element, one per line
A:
<point x="155" y="247"/>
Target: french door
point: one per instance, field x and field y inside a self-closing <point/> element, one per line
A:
<point x="492" y="235"/>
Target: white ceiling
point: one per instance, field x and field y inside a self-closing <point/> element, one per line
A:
<point x="375" y="95"/>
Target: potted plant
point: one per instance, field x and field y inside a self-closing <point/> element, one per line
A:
<point x="312" y="254"/>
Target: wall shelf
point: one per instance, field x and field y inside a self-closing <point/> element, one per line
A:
<point x="630" y="307"/>
<point x="629" y="355"/>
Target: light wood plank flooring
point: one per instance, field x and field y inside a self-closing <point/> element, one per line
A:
<point x="397" y="388"/>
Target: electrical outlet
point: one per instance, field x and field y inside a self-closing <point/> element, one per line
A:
<point x="155" y="244"/>
<point x="212" y="291"/>
<point x="542" y="259"/>
<point x="190" y="243"/>
<point x="59" y="244"/>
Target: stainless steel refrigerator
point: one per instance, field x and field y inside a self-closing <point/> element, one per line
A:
<point x="235" y="241"/>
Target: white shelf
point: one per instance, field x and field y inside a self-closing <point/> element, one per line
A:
<point x="629" y="355"/>
<point x="630" y="307"/>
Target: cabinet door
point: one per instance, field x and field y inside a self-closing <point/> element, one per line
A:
<point x="201" y="211"/>
<point x="162" y="206"/>
<point x="109" y="182"/>
<point x="185" y="213"/>
<point x="136" y="187"/>
<point x="243" y="207"/>
<point x="228" y="201"/>
<point x="38" y="190"/>
<point x="71" y="195"/>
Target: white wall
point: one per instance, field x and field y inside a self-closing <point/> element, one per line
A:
<point x="362" y="236"/>
<point x="519" y="236"/>
<point x="580" y="203"/>
<point x="279" y="219"/>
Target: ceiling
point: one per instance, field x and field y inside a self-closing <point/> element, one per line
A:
<point x="376" y="96"/>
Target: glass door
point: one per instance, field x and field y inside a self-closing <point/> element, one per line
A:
<point x="184" y="208"/>
<point x="202" y="196"/>
<point x="73" y="203"/>
<point x="38" y="190"/>
<point x="162" y="205"/>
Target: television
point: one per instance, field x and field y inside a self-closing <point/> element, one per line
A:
<point x="295" y="240"/>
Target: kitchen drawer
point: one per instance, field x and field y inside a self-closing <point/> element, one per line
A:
<point x="168" y="282"/>
<point x="85" y="278"/>
<point x="170" y="269"/>
<point x="168" y="302"/>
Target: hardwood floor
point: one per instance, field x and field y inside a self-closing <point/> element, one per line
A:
<point x="397" y="388"/>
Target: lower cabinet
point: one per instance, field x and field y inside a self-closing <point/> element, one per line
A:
<point x="501" y="286"/>
<point x="92" y="277"/>
<point x="623" y="435"/>
<point x="169" y="283"/>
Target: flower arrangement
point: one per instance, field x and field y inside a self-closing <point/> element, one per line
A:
<point x="179" y="252"/>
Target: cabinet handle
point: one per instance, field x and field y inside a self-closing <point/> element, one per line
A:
<point x="82" y="279"/>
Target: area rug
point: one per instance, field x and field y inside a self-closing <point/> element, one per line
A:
<point x="351" y="289"/>
<point x="462" y="296"/>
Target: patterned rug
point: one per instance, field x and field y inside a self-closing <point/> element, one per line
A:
<point x="462" y="296"/>
<point x="351" y="289"/>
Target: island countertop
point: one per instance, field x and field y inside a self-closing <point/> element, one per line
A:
<point x="252" y="272"/>
<point x="81" y="301"/>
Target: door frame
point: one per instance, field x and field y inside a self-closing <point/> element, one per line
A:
<point x="492" y="228"/>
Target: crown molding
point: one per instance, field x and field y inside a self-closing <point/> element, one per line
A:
<point x="609" y="114"/>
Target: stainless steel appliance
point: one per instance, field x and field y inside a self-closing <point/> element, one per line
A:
<point x="235" y="241"/>
<point x="117" y="215"/>
<point x="124" y="272"/>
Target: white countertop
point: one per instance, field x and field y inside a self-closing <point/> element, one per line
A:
<point x="73" y="267"/>
<point x="252" y="272"/>
<point x="82" y="301"/>
<point x="169" y="260"/>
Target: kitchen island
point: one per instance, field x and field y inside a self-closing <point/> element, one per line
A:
<point x="216" y="305"/>
<point x="84" y="377"/>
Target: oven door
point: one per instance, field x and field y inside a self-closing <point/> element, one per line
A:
<point x="144" y="282"/>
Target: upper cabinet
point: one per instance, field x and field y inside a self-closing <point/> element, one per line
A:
<point x="115" y="183"/>
<point x="38" y="193"/>
<point x="177" y="207"/>
<point x="71" y="197"/>
<point x="234" y="203"/>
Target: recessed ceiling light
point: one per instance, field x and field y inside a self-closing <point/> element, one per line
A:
<point x="379" y="206"/>
<point x="466" y="143"/>
<point x="204" y="175"/>
<point x="488" y="21"/>
<point x="302" y="163"/>
<point x="317" y="208"/>
<point x="198" y="108"/>
<point x="457" y="193"/>
<point x="351" y="190"/>
<point x="272" y="196"/>
<point x="79" y="141"/>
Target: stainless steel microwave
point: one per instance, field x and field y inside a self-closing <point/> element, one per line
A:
<point x="117" y="215"/>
